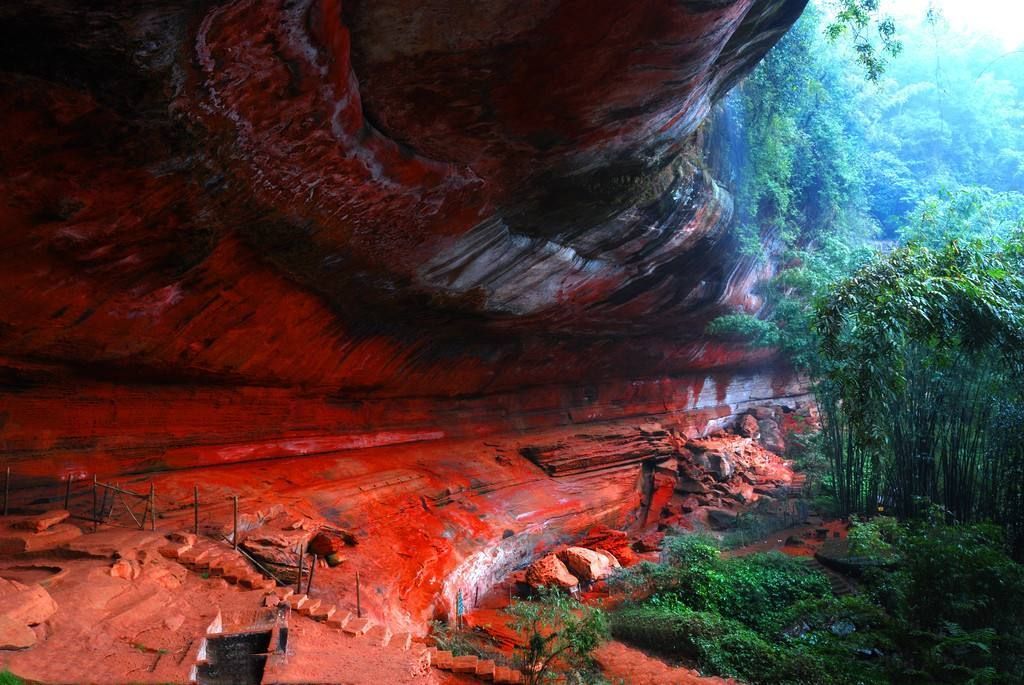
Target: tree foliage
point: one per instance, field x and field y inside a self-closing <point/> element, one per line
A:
<point x="872" y="36"/>
<point x="560" y="636"/>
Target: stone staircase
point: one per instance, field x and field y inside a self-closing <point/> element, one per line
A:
<point x="221" y="561"/>
<point x="380" y="636"/>
<point x="484" y="669"/>
<point x="796" y="486"/>
<point x="215" y="559"/>
<point x="841" y="585"/>
<point x="344" y="621"/>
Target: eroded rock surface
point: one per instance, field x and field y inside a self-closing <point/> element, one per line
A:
<point x="272" y="228"/>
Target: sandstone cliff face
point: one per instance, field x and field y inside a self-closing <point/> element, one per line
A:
<point x="243" y="229"/>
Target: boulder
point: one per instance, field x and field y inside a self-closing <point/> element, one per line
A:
<point x="715" y="463"/>
<point x="25" y="604"/>
<point x="771" y="436"/>
<point x="549" y="571"/>
<point x="688" y="486"/>
<point x="326" y="543"/>
<point x="747" y="426"/>
<point x="614" y="541"/>
<point x="649" y="543"/>
<point x="125" y="569"/>
<point x="15" y="634"/>
<point x="276" y="547"/>
<point x="40" y="522"/>
<point x="588" y="564"/>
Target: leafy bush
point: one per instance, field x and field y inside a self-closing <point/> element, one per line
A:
<point x="460" y="643"/>
<point x="957" y="604"/>
<point x="561" y="635"/>
<point x="874" y="538"/>
<point x="727" y="647"/>
<point x="726" y="613"/>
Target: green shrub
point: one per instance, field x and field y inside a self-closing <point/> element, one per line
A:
<point x="727" y="647"/>
<point x="560" y="637"/>
<point x="874" y="538"/>
<point x="958" y="599"/>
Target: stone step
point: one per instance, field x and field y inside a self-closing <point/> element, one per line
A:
<point x="323" y="612"/>
<point x="504" y="675"/>
<point x="442" y="659"/>
<point x="402" y="641"/>
<point x="358" y="626"/>
<point x="215" y="566"/>
<point x="261" y="582"/>
<point x="309" y="606"/>
<point x="339" y="619"/>
<point x="485" y="669"/>
<point x="193" y="554"/>
<point x="379" y="636"/>
<point x="234" y="574"/>
<point x="174" y="550"/>
<point x="465" y="664"/>
<point x="296" y="601"/>
<point x="209" y="559"/>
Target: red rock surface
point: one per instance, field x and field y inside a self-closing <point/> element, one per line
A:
<point x="243" y="230"/>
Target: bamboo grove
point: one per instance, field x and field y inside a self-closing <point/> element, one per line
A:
<point x="921" y="385"/>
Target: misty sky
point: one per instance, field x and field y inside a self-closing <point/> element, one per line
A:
<point x="1002" y="19"/>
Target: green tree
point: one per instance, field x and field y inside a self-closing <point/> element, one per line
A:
<point x="560" y="634"/>
<point x="922" y="353"/>
<point x="872" y="36"/>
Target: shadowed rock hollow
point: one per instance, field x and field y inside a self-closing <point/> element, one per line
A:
<point x="244" y="229"/>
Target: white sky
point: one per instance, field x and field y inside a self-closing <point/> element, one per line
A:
<point x="1001" y="19"/>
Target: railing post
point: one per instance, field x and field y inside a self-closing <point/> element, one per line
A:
<point x="234" y="535"/>
<point x="152" y="506"/>
<point x="298" y="579"/>
<point x="95" y="515"/>
<point x="309" y="583"/>
<point x="359" y="606"/>
<point x="195" y="506"/>
<point x="67" y="493"/>
<point x="7" y="488"/>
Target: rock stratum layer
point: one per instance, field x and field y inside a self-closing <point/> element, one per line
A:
<point x="239" y="230"/>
